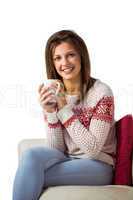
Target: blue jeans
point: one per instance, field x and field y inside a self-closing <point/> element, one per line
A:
<point x="41" y="167"/>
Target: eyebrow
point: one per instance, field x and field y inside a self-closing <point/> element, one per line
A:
<point x="70" y="51"/>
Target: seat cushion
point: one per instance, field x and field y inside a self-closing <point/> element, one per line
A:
<point x="109" y="192"/>
<point x="123" y="168"/>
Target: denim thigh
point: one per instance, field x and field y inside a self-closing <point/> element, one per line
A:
<point x="79" y="172"/>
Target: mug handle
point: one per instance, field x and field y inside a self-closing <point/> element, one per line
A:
<point x="58" y="88"/>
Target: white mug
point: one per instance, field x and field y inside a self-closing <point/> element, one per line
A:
<point x="48" y="83"/>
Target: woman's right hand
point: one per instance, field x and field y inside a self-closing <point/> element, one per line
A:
<point x="44" y="97"/>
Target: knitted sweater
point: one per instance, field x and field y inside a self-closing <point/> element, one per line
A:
<point x="85" y="129"/>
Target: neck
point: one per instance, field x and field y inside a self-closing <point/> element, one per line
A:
<point x="72" y="86"/>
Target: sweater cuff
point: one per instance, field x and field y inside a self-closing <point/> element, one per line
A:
<point x="51" y="117"/>
<point x="65" y="114"/>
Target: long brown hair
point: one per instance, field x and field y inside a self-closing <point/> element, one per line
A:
<point x="73" y="38"/>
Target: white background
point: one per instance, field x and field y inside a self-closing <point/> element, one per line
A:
<point x="25" y="25"/>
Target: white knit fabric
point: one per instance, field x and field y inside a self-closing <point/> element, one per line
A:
<point x="86" y="129"/>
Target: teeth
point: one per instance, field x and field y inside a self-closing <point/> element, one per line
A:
<point x="69" y="69"/>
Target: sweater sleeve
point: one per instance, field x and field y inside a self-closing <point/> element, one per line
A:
<point x="90" y="140"/>
<point x="54" y="132"/>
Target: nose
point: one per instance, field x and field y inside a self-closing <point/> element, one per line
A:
<point x="64" y="61"/>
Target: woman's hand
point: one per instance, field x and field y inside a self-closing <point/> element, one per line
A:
<point x="44" y="97"/>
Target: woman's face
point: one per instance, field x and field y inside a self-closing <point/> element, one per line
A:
<point x="67" y="61"/>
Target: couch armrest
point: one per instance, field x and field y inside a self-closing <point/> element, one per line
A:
<point x="29" y="143"/>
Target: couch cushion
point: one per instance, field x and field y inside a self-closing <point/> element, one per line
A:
<point x="88" y="193"/>
<point x="123" y="168"/>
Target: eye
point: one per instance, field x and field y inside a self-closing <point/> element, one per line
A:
<point x="57" y="58"/>
<point x="71" y="54"/>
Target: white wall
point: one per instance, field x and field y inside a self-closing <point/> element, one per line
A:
<point x="25" y="26"/>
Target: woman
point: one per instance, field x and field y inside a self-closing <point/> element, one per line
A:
<point x="80" y="124"/>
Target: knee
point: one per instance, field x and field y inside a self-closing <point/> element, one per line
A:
<point x="28" y="157"/>
<point x="36" y="155"/>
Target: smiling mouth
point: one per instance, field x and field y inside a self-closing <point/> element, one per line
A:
<point x="68" y="69"/>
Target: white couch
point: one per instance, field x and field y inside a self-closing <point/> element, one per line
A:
<point x="109" y="192"/>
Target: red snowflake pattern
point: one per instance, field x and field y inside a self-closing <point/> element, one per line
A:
<point x="104" y="109"/>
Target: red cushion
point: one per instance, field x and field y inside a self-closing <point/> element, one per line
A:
<point x="123" y="167"/>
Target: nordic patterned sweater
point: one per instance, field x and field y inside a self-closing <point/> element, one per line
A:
<point x="86" y="129"/>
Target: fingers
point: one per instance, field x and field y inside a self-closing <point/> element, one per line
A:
<point x="47" y="101"/>
<point x="45" y="95"/>
<point x="40" y="87"/>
